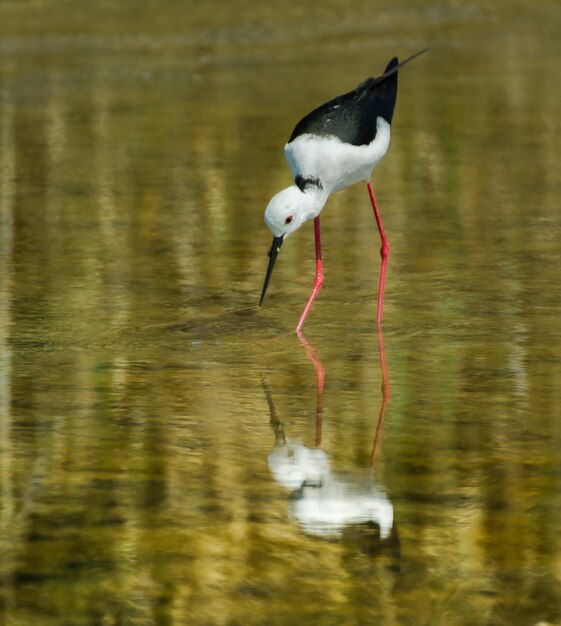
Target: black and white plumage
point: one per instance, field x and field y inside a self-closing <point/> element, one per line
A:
<point x="333" y="147"/>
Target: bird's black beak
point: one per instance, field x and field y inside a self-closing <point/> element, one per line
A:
<point x="273" y="253"/>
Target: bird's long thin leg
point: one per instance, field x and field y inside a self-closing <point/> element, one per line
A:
<point x="318" y="282"/>
<point x="384" y="253"/>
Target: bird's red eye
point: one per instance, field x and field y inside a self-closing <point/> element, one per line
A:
<point x="288" y="219"/>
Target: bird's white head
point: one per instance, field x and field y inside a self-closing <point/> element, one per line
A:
<point x="286" y="211"/>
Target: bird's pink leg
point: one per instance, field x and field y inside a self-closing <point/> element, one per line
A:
<point x="384" y="253"/>
<point x="318" y="282"/>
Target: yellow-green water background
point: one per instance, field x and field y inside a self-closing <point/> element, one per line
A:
<point x="139" y="145"/>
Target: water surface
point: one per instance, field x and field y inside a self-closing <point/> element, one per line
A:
<point x="148" y="409"/>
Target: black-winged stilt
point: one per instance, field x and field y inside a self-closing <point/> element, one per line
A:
<point x="333" y="147"/>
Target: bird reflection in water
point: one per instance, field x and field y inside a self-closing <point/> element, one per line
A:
<point x="326" y="503"/>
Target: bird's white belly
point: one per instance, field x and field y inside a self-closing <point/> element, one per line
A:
<point x="336" y="164"/>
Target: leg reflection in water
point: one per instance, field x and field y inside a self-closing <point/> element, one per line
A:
<point x="385" y="398"/>
<point x="326" y="503"/>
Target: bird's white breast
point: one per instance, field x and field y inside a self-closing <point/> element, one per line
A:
<point x="335" y="163"/>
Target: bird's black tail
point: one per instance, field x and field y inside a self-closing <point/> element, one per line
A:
<point x="394" y="65"/>
<point x="384" y="87"/>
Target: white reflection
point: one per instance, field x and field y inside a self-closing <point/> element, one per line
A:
<point x="325" y="503"/>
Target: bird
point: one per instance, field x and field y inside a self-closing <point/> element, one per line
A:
<point x="336" y="145"/>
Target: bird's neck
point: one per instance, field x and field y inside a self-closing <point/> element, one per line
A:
<point x="313" y="199"/>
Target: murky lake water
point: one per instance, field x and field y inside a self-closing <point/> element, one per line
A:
<point x="167" y="455"/>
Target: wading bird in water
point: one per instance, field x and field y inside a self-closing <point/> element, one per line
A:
<point x="333" y="147"/>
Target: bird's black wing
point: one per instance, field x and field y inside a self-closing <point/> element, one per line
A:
<point x="352" y="116"/>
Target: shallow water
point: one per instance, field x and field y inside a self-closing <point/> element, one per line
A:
<point x="160" y="437"/>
